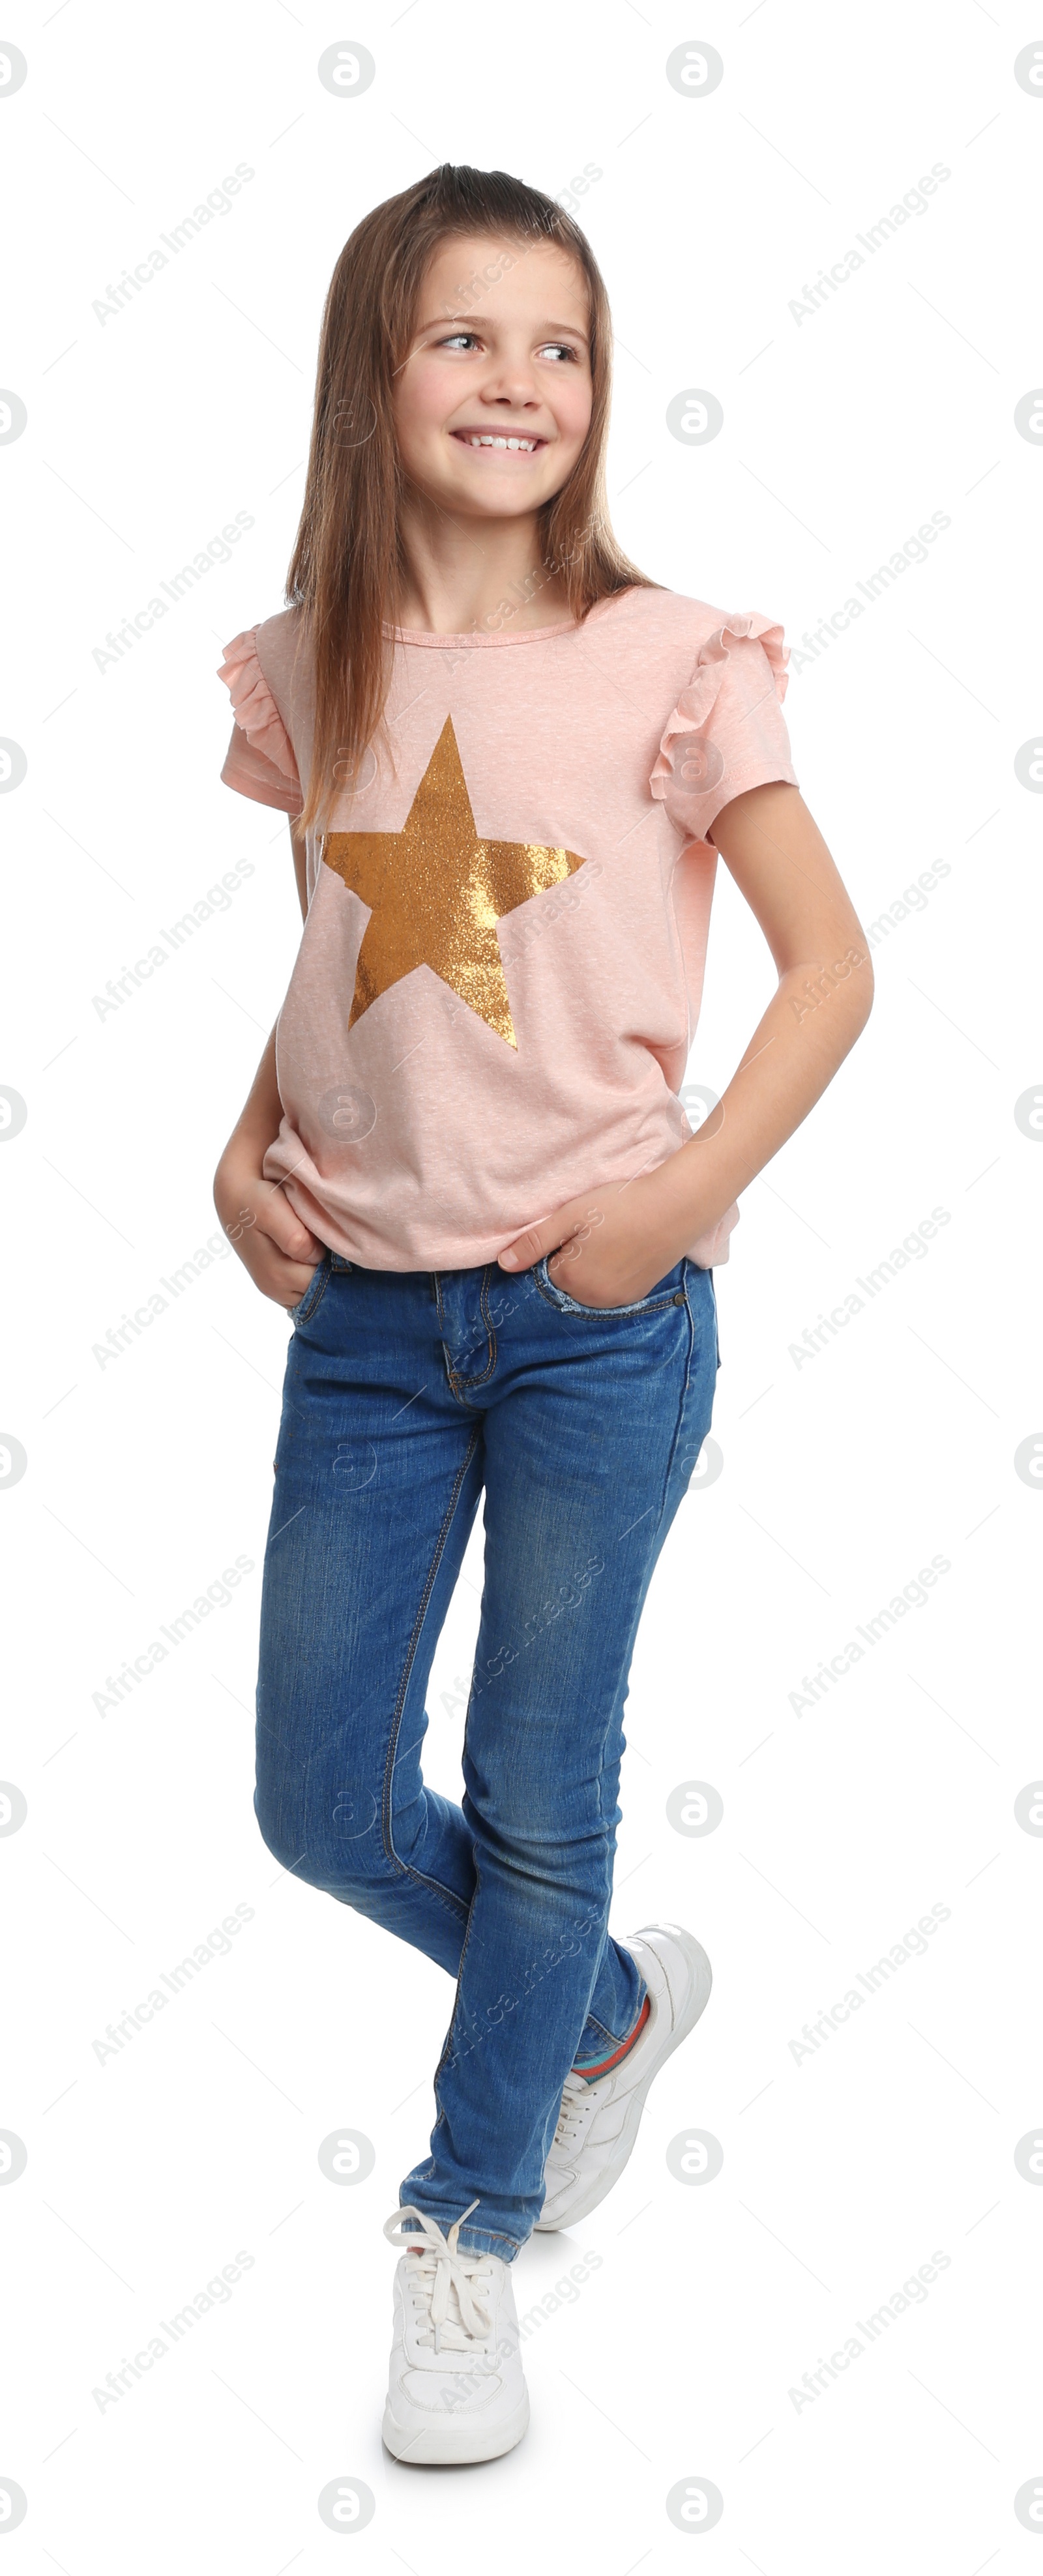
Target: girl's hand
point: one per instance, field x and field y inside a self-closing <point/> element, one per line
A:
<point x="612" y="1245"/>
<point x="611" y="1248"/>
<point x="279" y="1251"/>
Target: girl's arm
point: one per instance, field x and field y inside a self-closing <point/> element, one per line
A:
<point x="279" y="1250"/>
<point x="615" y="1243"/>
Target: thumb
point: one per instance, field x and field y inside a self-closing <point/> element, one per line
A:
<point x="525" y="1249"/>
<point x="548" y="1235"/>
<point x="287" y="1230"/>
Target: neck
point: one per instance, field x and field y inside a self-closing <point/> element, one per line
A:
<point x="462" y="576"/>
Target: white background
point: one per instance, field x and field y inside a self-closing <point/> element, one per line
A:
<point x="844" y="1821"/>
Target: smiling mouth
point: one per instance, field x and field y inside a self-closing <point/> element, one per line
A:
<point x="506" y="443"/>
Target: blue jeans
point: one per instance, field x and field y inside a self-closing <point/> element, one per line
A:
<point x="405" y="1395"/>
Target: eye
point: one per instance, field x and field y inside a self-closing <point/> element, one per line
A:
<point x="456" y="339"/>
<point x="558" y="349"/>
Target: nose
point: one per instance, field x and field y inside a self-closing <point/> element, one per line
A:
<point x="510" y="381"/>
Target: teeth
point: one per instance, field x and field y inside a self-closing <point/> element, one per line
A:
<point x="527" y="445"/>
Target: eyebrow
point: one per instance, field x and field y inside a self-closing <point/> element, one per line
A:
<point x="470" y="321"/>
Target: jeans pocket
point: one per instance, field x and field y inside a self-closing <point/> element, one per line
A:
<point x="671" y="1291"/>
<point x="306" y="1305"/>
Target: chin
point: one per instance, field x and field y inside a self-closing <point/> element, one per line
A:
<point x="499" y="500"/>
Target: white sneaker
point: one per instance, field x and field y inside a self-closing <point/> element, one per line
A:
<point x="457" y="2388"/>
<point x="598" y="2121"/>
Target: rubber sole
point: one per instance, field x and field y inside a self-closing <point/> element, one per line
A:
<point x="454" y="2444"/>
<point x="599" y="2188"/>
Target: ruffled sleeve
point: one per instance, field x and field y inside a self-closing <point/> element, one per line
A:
<point x="260" y="761"/>
<point x="727" y="731"/>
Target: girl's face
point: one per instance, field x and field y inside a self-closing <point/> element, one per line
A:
<point x="493" y="402"/>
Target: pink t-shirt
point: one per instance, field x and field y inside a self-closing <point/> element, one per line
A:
<point x="502" y="964"/>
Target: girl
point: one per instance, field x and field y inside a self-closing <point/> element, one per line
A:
<point x="510" y="761"/>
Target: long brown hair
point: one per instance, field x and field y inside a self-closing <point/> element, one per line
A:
<point x="347" y="559"/>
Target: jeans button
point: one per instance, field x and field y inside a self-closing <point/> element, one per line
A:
<point x="679" y="1297"/>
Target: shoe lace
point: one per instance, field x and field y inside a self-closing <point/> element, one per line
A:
<point x="445" y="2280"/>
<point x="575" y="2103"/>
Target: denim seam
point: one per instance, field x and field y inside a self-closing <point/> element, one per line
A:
<point x="691" y="1336"/>
<point x="674" y="1446"/>
<point x="490" y="1327"/>
<point x="447" y="2045"/>
<point x="458" y="1385"/>
<point x="456" y="1382"/>
<point x="617" y="2037"/>
<point x="685" y="1391"/>
<point x="447" y="1894"/>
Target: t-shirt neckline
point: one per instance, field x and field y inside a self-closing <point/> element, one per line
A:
<point x="524" y="634"/>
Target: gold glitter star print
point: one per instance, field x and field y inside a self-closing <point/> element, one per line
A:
<point x="436" y="891"/>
